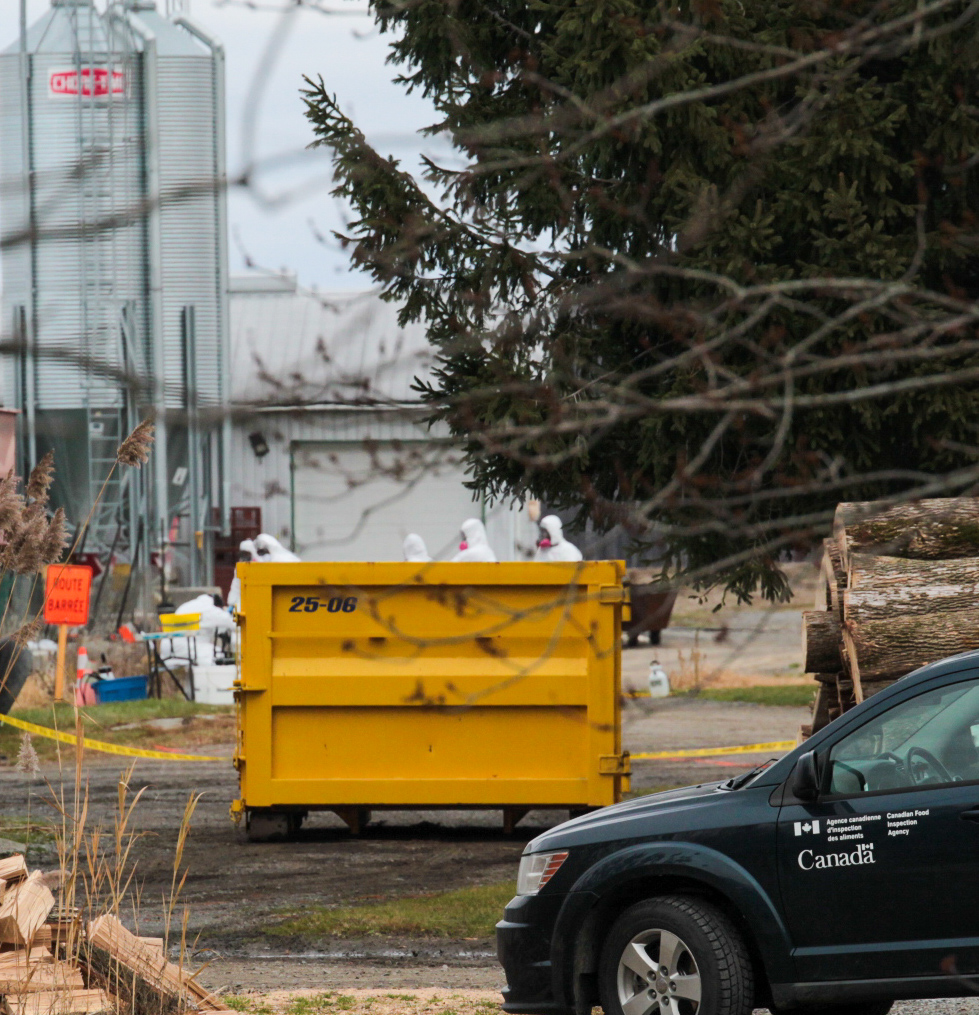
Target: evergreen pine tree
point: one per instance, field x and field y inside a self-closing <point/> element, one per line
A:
<point x="710" y="267"/>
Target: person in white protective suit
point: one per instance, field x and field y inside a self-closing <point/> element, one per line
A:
<point x="215" y="621"/>
<point x="552" y="545"/>
<point x="474" y="546"/>
<point x="213" y="617"/>
<point x="415" y="549"/>
<point x="246" y="552"/>
<point x="270" y="550"/>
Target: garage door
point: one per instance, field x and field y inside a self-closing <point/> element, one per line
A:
<point x="358" y="501"/>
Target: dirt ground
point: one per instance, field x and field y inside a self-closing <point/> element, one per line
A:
<point x="449" y="1000"/>
<point x="235" y="888"/>
<point x="461" y="1001"/>
<point x="737" y="646"/>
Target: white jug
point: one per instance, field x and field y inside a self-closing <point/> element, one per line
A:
<point x="659" y="682"/>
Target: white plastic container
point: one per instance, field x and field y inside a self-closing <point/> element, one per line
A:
<point x="659" y="682"/>
<point x="212" y="685"/>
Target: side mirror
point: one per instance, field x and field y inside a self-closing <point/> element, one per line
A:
<point x="805" y="781"/>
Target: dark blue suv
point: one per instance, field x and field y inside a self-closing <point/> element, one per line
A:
<point x="840" y="878"/>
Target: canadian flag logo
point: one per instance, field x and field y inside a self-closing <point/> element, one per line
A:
<point x="806" y="827"/>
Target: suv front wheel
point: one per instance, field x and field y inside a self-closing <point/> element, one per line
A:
<point x="675" y="956"/>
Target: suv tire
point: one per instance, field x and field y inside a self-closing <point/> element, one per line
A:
<point x="683" y="954"/>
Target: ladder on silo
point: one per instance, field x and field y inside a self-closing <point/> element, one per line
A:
<point x="110" y="336"/>
<point x="121" y="504"/>
<point x="108" y="485"/>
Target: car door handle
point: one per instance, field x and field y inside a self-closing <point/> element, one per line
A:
<point x="970" y="815"/>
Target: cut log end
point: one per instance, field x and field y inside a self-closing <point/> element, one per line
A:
<point x="935" y="529"/>
<point x="820" y="641"/>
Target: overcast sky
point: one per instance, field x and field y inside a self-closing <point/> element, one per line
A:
<point x="350" y="55"/>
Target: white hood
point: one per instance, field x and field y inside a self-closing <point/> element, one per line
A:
<point x="246" y="552"/>
<point x="415" y="549"/>
<point x="270" y="550"/>
<point x="560" y="548"/>
<point x="477" y="548"/>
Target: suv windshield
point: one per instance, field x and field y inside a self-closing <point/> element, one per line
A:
<point x="928" y="740"/>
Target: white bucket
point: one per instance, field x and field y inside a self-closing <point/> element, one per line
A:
<point x="212" y="685"/>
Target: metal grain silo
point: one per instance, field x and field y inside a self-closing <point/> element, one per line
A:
<point x="115" y="263"/>
<point x="183" y="88"/>
<point x="74" y="291"/>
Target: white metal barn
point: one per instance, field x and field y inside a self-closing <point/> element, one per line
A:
<point x="328" y="435"/>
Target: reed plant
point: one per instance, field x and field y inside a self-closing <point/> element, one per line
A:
<point x="95" y="872"/>
<point x="95" y="875"/>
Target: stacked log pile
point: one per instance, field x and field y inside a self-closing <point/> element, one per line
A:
<point x="49" y="966"/>
<point x="133" y="967"/>
<point x="899" y="589"/>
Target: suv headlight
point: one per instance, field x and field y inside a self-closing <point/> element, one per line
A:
<point x="536" y="869"/>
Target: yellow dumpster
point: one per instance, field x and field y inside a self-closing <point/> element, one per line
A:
<point x="365" y="686"/>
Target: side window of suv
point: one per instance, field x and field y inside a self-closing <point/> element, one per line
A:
<point x="930" y="740"/>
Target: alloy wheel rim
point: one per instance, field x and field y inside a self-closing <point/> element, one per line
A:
<point x="658" y="973"/>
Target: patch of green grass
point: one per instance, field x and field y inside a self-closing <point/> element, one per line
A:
<point x="236" y="1002"/>
<point x="114" y="712"/>
<point x="32" y="831"/>
<point x="310" y="1004"/>
<point x="251" y="1005"/>
<point x="98" y="721"/>
<point x="463" y="913"/>
<point x="787" y="694"/>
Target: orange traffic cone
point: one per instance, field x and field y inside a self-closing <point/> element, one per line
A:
<point x="82" y="667"/>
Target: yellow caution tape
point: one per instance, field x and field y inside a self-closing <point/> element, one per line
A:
<point x="706" y="752"/>
<point x="101" y="745"/>
<point x="137" y="752"/>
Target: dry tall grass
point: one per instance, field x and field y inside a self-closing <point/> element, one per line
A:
<point x="95" y="873"/>
<point x="32" y="537"/>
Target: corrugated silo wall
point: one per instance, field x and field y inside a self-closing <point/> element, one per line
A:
<point x="13" y="217"/>
<point x="88" y="252"/>
<point x="189" y="224"/>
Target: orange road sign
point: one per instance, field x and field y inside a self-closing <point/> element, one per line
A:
<point x="66" y="593"/>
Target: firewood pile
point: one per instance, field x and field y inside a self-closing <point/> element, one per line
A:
<point x="50" y="964"/>
<point x="900" y="589"/>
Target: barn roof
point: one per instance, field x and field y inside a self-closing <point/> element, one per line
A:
<point x="295" y="346"/>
